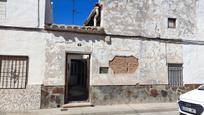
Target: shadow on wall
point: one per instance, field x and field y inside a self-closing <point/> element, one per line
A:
<point x="79" y="38"/>
<point x="77" y="33"/>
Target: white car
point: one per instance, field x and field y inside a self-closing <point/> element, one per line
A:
<point x="192" y="102"/>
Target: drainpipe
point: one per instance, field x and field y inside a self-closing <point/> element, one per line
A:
<point x="96" y="16"/>
<point x="38" y="14"/>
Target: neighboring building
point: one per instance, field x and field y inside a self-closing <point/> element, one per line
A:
<point x="129" y="51"/>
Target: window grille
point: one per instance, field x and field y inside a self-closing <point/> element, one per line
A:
<point x="175" y="74"/>
<point x="13" y="72"/>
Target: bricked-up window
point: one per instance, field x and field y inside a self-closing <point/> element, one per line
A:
<point x="171" y="22"/>
<point x="175" y="74"/>
<point x="13" y="72"/>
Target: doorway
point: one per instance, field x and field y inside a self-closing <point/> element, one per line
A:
<point x="77" y="77"/>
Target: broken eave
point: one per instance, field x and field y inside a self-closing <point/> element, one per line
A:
<point x="78" y="29"/>
<point x="92" y="14"/>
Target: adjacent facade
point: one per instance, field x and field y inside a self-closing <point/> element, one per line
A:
<point x="129" y="51"/>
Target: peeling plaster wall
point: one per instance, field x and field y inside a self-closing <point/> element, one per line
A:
<point x="153" y="58"/>
<point x="58" y="45"/>
<point x="149" y="17"/>
<point x="25" y="43"/>
<point x="47" y="52"/>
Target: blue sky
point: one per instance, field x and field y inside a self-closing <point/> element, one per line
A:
<point x="63" y="11"/>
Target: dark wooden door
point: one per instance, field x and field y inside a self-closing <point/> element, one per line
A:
<point x="76" y="83"/>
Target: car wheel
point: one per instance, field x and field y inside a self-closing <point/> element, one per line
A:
<point x="181" y="114"/>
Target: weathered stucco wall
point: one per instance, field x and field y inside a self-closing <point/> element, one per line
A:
<point x="60" y="43"/>
<point x="149" y="17"/>
<point x="153" y="57"/>
<point x="24" y="13"/>
<point x="47" y="52"/>
<point x="26" y="43"/>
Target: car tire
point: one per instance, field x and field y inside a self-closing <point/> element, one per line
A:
<point x="181" y="114"/>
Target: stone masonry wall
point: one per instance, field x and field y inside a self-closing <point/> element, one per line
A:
<point x="107" y="95"/>
<point x="52" y="96"/>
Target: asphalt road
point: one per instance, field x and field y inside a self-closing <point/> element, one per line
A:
<point x="155" y="113"/>
<point x="149" y="113"/>
<point x="124" y="109"/>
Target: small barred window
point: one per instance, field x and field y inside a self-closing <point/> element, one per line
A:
<point x="175" y="74"/>
<point x="171" y="22"/>
<point x="13" y="72"/>
<point x="103" y="70"/>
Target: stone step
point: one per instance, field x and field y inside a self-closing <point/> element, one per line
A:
<point x="72" y="105"/>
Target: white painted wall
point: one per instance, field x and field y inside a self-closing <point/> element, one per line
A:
<point x="26" y="43"/>
<point x="24" y="13"/>
<point x="193" y="55"/>
<point x="199" y="20"/>
<point x="193" y="58"/>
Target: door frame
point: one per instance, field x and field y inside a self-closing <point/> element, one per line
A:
<point x="66" y="99"/>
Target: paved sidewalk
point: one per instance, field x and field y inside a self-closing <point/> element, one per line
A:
<point x="106" y="110"/>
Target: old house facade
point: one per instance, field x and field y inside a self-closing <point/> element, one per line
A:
<point x="129" y="51"/>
